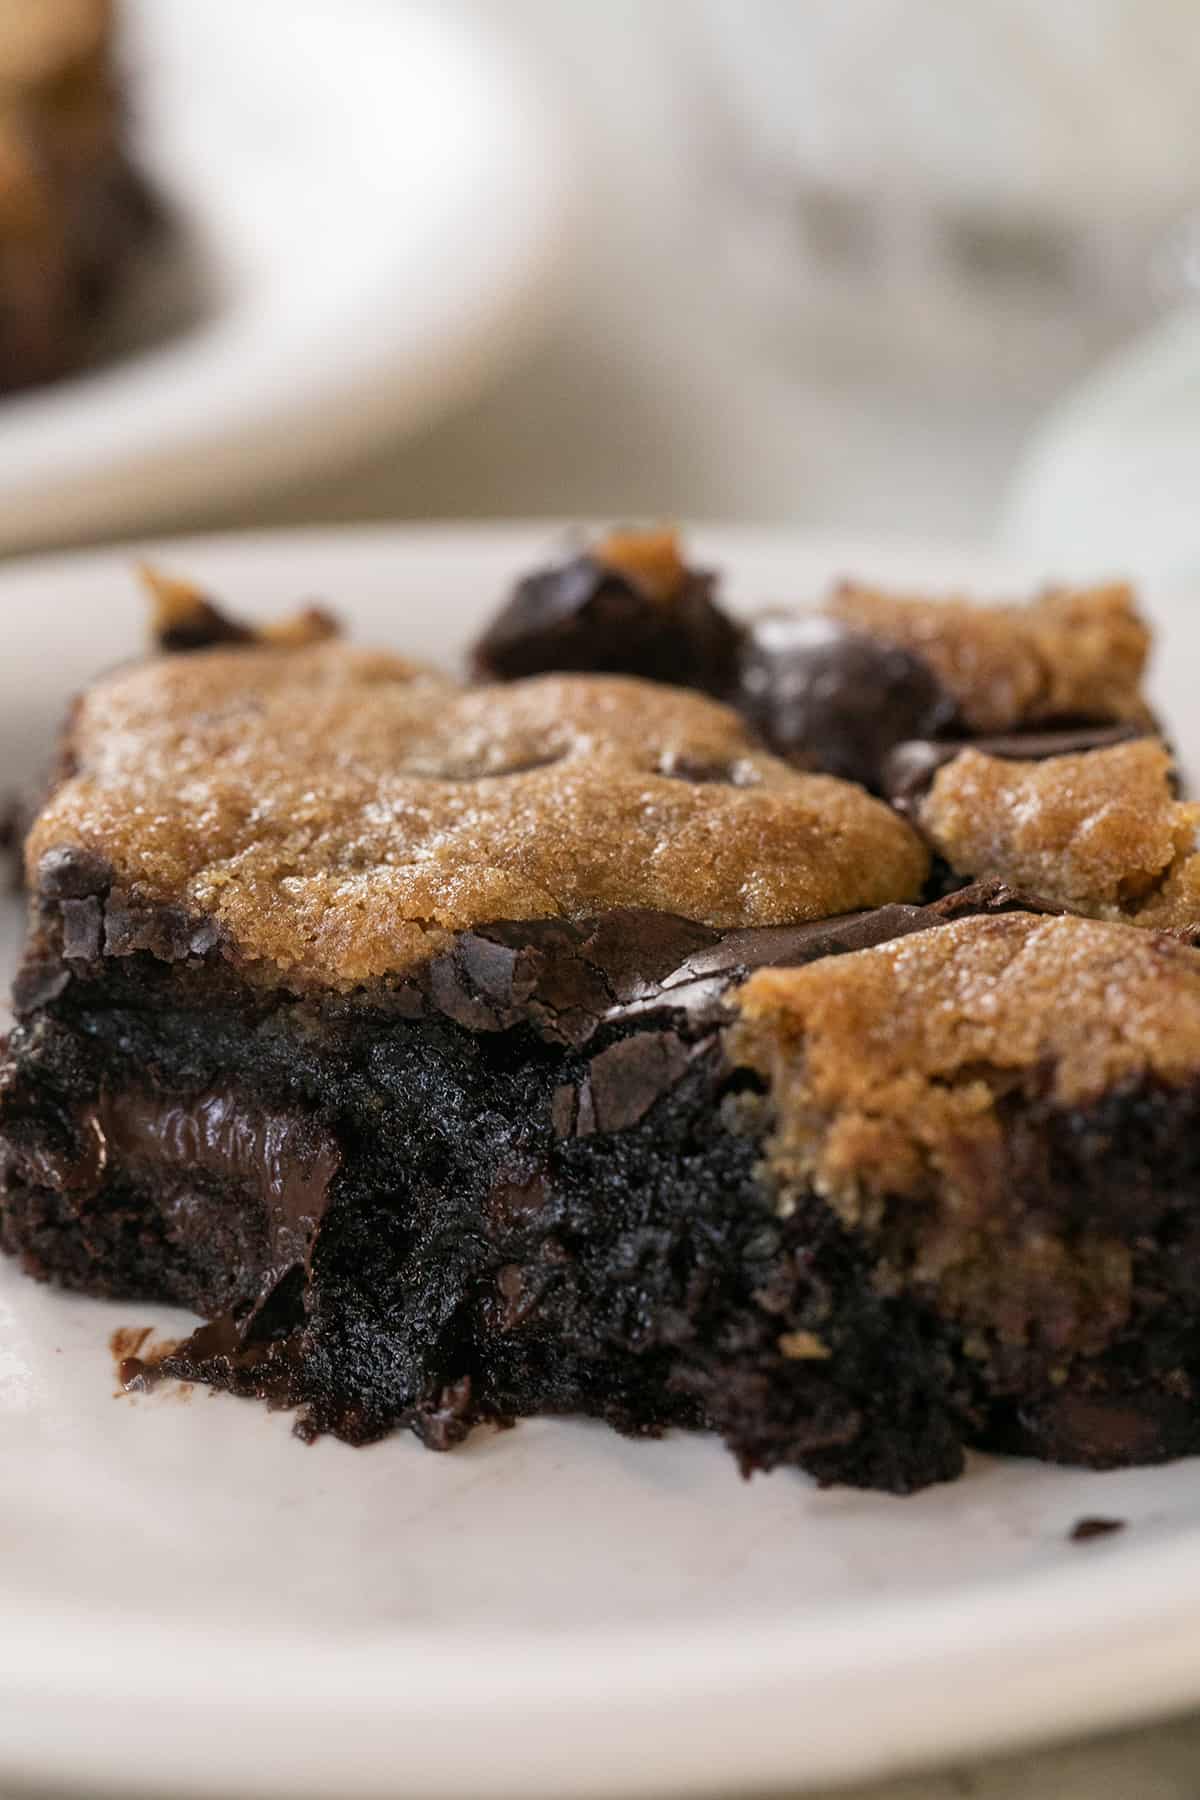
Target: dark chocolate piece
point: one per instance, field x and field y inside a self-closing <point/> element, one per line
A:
<point x="183" y="619"/>
<point x="588" y="615"/>
<point x="835" y="699"/>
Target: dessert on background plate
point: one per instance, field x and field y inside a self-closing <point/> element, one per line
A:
<point x="466" y="1052"/>
<point x="72" y="206"/>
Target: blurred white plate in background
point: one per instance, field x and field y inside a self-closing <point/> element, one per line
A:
<point x="193" y="1603"/>
<point x="369" y="202"/>
<point x="1110" y="479"/>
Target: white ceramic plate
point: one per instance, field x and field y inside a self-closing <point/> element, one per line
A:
<point x="369" y="202"/>
<point x="192" y="1602"/>
<point x="1111" y="472"/>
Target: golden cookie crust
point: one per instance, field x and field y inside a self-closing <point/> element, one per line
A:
<point x="893" y="1073"/>
<point x="1100" y="832"/>
<point x="1068" y="654"/>
<point x="341" y="813"/>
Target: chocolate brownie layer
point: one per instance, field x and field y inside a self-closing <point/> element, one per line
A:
<point x="72" y="209"/>
<point x="578" y="1167"/>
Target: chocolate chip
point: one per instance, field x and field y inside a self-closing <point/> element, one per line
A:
<point x="631" y="1075"/>
<point x="82" y="929"/>
<point x="489" y="965"/>
<point x="166" y="932"/>
<point x="909" y="769"/>
<point x="69" y="872"/>
<point x="518" y="1296"/>
<point x="587" y="615"/>
<point x="513" y="1198"/>
<point x="834" y="698"/>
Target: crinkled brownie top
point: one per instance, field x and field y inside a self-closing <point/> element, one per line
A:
<point x="1070" y="654"/>
<point x="341" y="813"/>
<point x="1101" y="832"/>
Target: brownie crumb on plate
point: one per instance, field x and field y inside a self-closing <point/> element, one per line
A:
<point x="1085" y="1530"/>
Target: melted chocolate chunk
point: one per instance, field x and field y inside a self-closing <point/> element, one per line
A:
<point x="587" y="615"/>
<point x="72" y="873"/>
<point x="287" y="1159"/>
<point x="165" y="932"/>
<point x="835" y="699"/>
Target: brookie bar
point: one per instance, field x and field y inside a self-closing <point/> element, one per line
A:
<point x="466" y="1053"/>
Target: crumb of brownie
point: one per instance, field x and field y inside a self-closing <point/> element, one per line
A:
<point x="652" y="560"/>
<point x="181" y="613"/>
<point x="803" y="1346"/>
<point x="892" y="1075"/>
<point x="1101" y="831"/>
<point x="1084" y="1530"/>
<point x="340" y="813"/>
<point x="311" y="625"/>
<point x="1069" y="654"/>
<point x="182" y="617"/>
